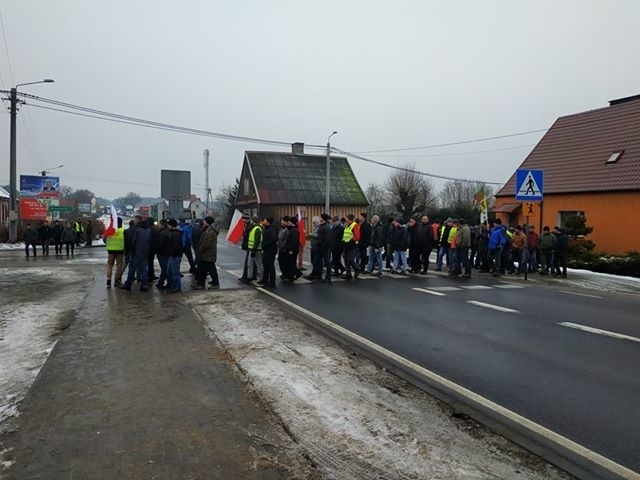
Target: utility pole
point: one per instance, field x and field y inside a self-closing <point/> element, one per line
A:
<point x="13" y="212"/>
<point x="327" y="193"/>
<point x="13" y="170"/>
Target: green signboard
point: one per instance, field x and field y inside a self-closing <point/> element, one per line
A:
<point x="56" y="208"/>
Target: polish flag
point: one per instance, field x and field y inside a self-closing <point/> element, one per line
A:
<point x="234" y="235"/>
<point x="113" y="222"/>
<point x="301" y="234"/>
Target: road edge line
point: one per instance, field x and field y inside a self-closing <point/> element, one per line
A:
<point x="547" y="444"/>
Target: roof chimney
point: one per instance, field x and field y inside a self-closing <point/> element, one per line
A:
<point x="297" y="148"/>
<point x="618" y="101"/>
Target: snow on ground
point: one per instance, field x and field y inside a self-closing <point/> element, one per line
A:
<point x="37" y="303"/>
<point x="354" y="419"/>
<point x="12" y="246"/>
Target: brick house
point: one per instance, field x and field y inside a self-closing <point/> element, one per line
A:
<point x="591" y="164"/>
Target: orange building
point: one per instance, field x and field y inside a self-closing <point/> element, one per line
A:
<point x="591" y="164"/>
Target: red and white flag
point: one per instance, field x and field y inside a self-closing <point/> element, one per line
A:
<point x="113" y="222"/>
<point x="301" y="234"/>
<point x="234" y="235"/>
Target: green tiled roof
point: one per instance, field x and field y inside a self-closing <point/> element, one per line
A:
<point x="286" y="178"/>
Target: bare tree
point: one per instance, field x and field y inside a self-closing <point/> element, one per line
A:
<point x="377" y="199"/>
<point x="457" y="195"/>
<point x="66" y="191"/>
<point x="227" y="200"/>
<point x="409" y="191"/>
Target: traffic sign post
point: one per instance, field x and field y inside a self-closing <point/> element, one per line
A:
<point x="529" y="184"/>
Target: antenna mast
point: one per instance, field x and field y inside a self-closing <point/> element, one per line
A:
<point x="207" y="189"/>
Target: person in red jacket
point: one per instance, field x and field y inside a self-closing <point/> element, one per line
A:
<point x="532" y="244"/>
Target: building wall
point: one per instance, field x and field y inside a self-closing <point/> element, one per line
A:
<point x="307" y="211"/>
<point x="4" y="212"/>
<point x="612" y="216"/>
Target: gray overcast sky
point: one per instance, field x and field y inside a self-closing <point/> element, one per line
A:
<point x="384" y="74"/>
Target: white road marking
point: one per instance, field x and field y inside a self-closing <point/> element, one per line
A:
<point x="580" y="294"/>
<point x="550" y="435"/>
<point x="431" y="292"/>
<point x="599" y="331"/>
<point x="509" y="285"/>
<point x="492" y="307"/>
<point x="478" y="287"/>
<point x="446" y="289"/>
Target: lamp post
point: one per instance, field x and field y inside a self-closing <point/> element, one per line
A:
<point x="13" y="213"/>
<point x="327" y="194"/>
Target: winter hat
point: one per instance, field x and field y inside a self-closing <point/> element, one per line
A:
<point x="325" y="217"/>
<point x="255" y="219"/>
<point x="173" y="222"/>
<point x="209" y="220"/>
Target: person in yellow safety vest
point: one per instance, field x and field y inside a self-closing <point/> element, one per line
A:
<point x="115" y="254"/>
<point x="254" y="246"/>
<point x="444" y="249"/>
<point x="79" y="230"/>
<point x="350" y="238"/>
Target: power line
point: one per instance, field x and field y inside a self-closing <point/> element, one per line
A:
<point x="425" y="155"/>
<point x="6" y="49"/>
<point x="411" y="170"/>
<point x="462" y="142"/>
<point x="104" y="115"/>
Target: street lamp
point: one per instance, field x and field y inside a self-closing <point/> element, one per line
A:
<point x="327" y="194"/>
<point x="13" y="213"/>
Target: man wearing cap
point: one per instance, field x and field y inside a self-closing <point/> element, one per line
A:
<point x="254" y="246"/>
<point x="207" y="255"/>
<point x="463" y="243"/>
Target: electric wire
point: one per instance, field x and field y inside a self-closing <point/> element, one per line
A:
<point x="462" y="142"/>
<point x="451" y="154"/>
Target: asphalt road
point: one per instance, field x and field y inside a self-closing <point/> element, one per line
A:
<point x="581" y="384"/>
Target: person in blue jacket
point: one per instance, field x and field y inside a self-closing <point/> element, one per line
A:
<point x="497" y="241"/>
<point x="187" y="244"/>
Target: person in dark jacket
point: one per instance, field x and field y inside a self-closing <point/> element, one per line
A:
<point x="140" y="248"/>
<point x="337" y="230"/>
<point x="207" y="255"/>
<point x="128" y="243"/>
<point x="174" y="249"/>
<point x="283" y="241"/>
<point x="388" y="248"/>
<point x="377" y="244"/>
<point x="292" y="247"/>
<point x="196" y="232"/>
<point x="30" y="238"/>
<point x="153" y="248"/>
<point x="187" y="244"/>
<point x="89" y="233"/>
<point x="163" y="252"/>
<point x="399" y="242"/>
<point x="56" y="233"/>
<point x="321" y="244"/>
<point x="424" y="244"/>
<point x="68" y="238"/>
<point x="365" y="239"/>
<point x="560" y="252"/>
<point x="269" y="251"/>
<point x="414" y="251"/>
<point x="245" y="246"/>
<point x="44" y="235"/>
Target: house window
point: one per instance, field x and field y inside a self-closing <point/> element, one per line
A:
<point x="245" y="187"/>
<point x="562" y="216"/>
<point x="615" y="156"/>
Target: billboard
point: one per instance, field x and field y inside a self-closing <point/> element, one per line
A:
<point x="33" y="209"/>
<point x="175" y="184"/>
<point x="37" y="186"/>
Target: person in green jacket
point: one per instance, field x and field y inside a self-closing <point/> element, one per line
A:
<point x="546" y="243"/>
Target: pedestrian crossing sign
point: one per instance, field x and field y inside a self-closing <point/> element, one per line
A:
<point x="529" y="185"/>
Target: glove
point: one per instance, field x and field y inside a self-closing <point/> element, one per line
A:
<point x="253" y="254"/>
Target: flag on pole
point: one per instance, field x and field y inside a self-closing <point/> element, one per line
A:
<point x="301" y="234"/>
<point x="113" y="222"/>
<point x="236" y="227"/>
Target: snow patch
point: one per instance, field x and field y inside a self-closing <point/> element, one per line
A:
<point x="354" y="419"/>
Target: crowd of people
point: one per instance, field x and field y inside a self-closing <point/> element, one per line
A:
<point x="135" y="249"/>
<point x="62" y="235"/>
<point x="351" y="246"/>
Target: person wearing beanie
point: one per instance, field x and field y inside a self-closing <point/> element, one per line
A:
<point x="337" y="230"/>
<point x="269" y="250"/>
<point x="164" y="240"/>
<point x="255" y="269"/>
<point x="207" y="255"/>
<point x="292" y="247"/>
<point x="174" y="282"/>
<point x="350" y="238"/>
